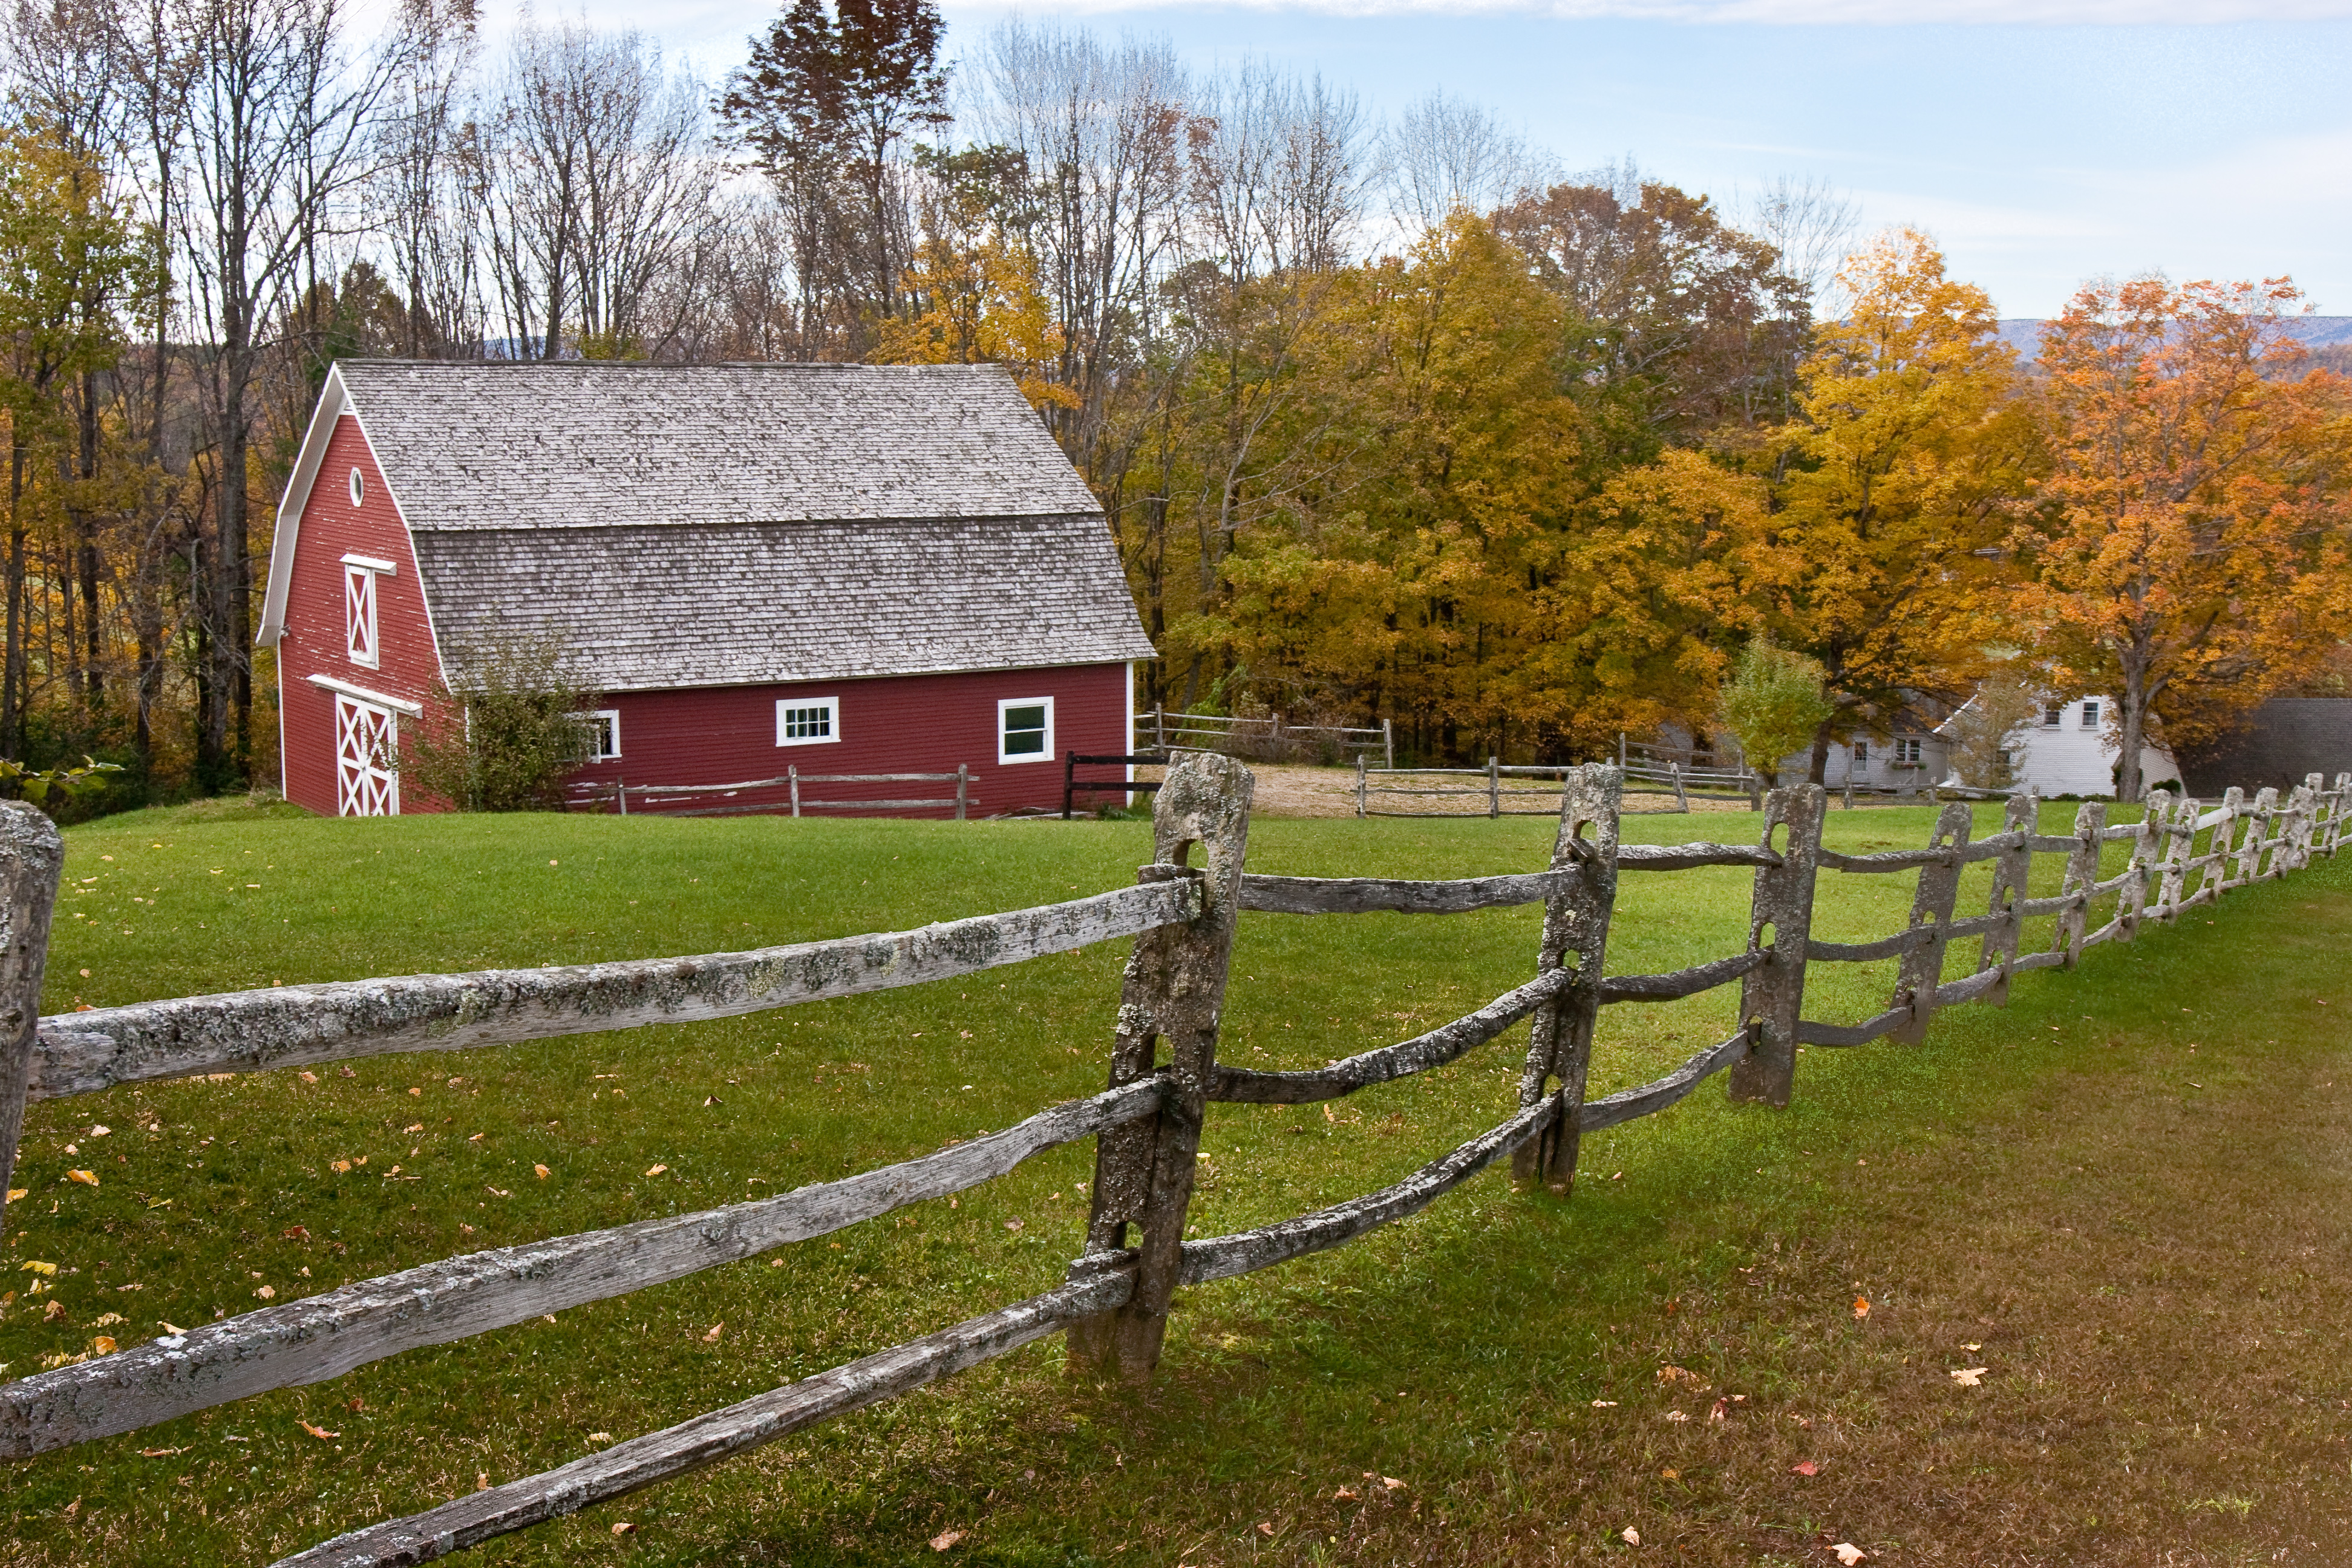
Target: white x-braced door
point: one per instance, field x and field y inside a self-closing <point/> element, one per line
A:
<point x="367" y="740"/>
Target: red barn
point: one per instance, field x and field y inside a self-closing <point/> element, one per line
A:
<point x="845" y="569"/>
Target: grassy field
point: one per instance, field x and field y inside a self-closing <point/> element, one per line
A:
<point x="2124" y="1197"/>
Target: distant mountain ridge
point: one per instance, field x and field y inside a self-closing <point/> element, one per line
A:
<point x="2316" y="332"/>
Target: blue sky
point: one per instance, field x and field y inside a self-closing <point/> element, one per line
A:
<point x="2038" y="153"/>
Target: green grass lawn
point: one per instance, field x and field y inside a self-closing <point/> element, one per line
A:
<point x="2108" y="1189"/>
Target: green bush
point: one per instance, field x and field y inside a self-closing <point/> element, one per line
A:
<point x="508" y="736"/>
<point x="1774" y="705"/>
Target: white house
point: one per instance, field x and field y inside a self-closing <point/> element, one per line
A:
<point x="2070" y="750"/>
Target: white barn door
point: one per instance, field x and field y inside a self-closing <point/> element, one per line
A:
<point x="367" y="740"/>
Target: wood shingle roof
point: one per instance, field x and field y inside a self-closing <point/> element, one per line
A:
<point x="700" y="525"/>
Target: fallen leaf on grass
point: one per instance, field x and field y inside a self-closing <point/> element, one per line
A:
<point x="160" y="1453"/>
<point x="86" y="1178"/>
<point x="1722" y="1410"/>
<point x="656" y="1169"/>
<point x="102" y="1345"/>
<point x="1805" y="1468"/>
<point x="625" y="1528"/>
<point x="712" y="1337"/>
<point x="266" y="1292"/>
<point x="1266" y="1527"/>
<point x="1676" y="1416"/>
<point x="1345" y="1494"/>
<point x="1630" y="1536"/>
<point x="946" y="1538"/>
<point x="1013" y="1225"/>
<point x="16" y="1193"/>
<point x="1970" y="1376"/>
<point x="1391" y="1483"/>
<point x="600" y="1436"/>
<point x="1861" y="1307"/>
<point x="1849" y="1554"/>
<point x="539" y="1171"/>
<point x="1605" y="1404"/>
<point x="321" y="1433"/>
<point x="39" y="1266"/>
<point x="56" y="1310"/>
<point x="1680" y="1375"/>
<point x="341" y="1167"/>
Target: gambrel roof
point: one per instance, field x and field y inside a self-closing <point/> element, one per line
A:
<point x="701" y="525"/>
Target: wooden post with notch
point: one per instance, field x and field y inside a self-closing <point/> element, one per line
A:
<point x="1494" y="786"/>
<point x="2339" y="807"/>
<point x="32" y="856"/>
<point x="1931" y="909"/>
<point x="2147" y="856"/>
<point x="2180" y="844"/>
<point x="2082" y="871"/>
<point x="1359" y="782"/>
<point x="2260" y="817"/>
<point x="1772" y="995"/>
<point x="2011" y="873"/>
<point x="963" y="790"/>
<point x="1174" y="990"/>
<point x="2221" y="846"/>
<point x="1575" y="930"/>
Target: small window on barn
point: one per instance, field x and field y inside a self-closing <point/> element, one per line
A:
<point x="360" y="574"/>
<point x="1906" y="753"/>
<point x="807" y="721"/>
<point x="359" y="487"/>
<point x="2053" y="715"/>
<point x="1862" y="753"/>
<point x="1024" y="729"/>
<point x="2090" y="715"/>
<point x="604" y="733"/>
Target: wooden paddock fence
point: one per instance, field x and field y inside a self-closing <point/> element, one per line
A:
<point x="667" y="800"/>
<point x="1270" y="737"/>
<point x="1147" y="1123"/>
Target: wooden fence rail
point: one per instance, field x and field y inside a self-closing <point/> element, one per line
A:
<point x="1147" y="1124"/>
<point x="620" y="792"/>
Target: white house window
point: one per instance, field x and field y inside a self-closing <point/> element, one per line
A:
<point x="1024" y="729"/>
<point x="360" y="574"/>
<point x="604" y="733"/>
<point x="359" y="487"/>
<point x="807" y="721"/>
<point x="2053" y="715"/>
<point x="1906" y="752"/>
<point x="1862" y="753"/>
<point x="2090" y="715"/>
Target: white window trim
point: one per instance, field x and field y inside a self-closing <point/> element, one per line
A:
<point x="832" y="705"/>
<point x="359" y="487"/>
<point x="613" y="717"/>
<point x="360" y="693"/>
<point x="1006" y="705"/>
<point x="366" y="570"/>
<point x="2054" y="715"/>
<point x="2090" y="715"/>
<point x="372" y="564"/>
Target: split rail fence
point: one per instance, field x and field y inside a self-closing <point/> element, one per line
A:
<point x="667" y="800"/>
<point x="1147" y="1123"/>
<point x="1270" y="737"/>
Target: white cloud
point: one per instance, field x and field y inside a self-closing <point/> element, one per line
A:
<point x="1812" y="12"/>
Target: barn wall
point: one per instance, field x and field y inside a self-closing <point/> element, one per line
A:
<point x="331" y="527"/>
<point x="922" y="723"/>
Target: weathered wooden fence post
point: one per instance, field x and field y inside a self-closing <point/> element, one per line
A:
<point x="1682" y="796"/>
<point x="32" y="856"/>
<point x="2133" y="898"/>
<point x="1494" y="786"/>
<point x="2337" y="812"/>
<point x="2010" y="876"/>
<point x="1772" y="995"/>
<point x="2258" y="834"/>
<point x="1931" y="909"/>
<point x="2222" y="845"/>
<point x="2181" y="847"/>
<point x="1174" y="989"/>
<point x="1576" y="928"/>
<point x="2082" y="871"/>
<point x="792" y="778"/>
<point x="963" y="790"/>
<point x="1359" y="782"/>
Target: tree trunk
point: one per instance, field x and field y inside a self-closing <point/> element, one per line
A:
<point x="1819" y="774"/>
<point x="2135" y="725"/>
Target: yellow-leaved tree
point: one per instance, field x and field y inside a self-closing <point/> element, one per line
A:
<point x="1882" y="558"/>
<point x="2192" y="555"/>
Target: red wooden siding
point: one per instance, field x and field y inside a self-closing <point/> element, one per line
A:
<point x="920" y="723"/>
<point x="408" y="664"/>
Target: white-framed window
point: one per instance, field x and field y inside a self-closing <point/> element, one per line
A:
<point x="360" y="574"/>
<point x="2090" y="715"/>
<point x="1024" y="729"/>
<point x="359" y="487"/>
<point x="604" y="733"/>
<point x="1906" y="752"/>
<point x="807" y="721"/>
<point x="1862" y="753"/>
<point x="2053" y="715"/>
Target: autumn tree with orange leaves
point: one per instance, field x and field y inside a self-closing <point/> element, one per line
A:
<point x="2191" y="556"/>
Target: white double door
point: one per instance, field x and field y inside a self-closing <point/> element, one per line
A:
<point x="367" y="747"/>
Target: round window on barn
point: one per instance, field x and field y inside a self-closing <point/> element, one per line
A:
<point x="359" y="488"/>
